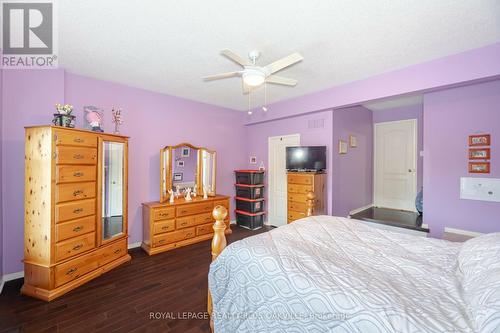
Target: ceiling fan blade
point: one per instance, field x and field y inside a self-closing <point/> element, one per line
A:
<point x="221" y="76"/>
<point x="236" y="58"/>
<point x="281" y="80"/>
<point x="284" y="62"/>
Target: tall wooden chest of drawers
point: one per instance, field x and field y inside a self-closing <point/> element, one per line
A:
<point x="75" y="219"/>
<point x="299" y="184"/>
<point x="168" y="226"/>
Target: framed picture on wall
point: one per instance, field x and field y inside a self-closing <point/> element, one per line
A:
<point x="180" y="164"/>
<point x="479" y="167"/>
<point x="253" y="159"/>
<point x="479" y="153"/>
<point x="479" y="140"/>
<point x="178" y="177"/>
<point x="342" y="147"/>
<point x="185" y="151"/>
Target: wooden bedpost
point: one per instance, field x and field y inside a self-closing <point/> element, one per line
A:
<point x="218" y="244"/>
<point x="311" y="201"/>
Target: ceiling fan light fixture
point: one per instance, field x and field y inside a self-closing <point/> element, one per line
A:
<point x="253" y="78"/>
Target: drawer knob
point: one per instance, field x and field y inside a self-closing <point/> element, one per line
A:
<point x="118" y="251"/>
<point x="161" y="241"/>
<point x="78" y="156"/>
<point x="77" y="192"/>
<point x="164" y="228"/>
<point x="78" y="174"/>
<point x="184" y="211"/>
<point x="79" y="140"/>
<point x="189" y="234"/>
<point x="77" y="247"/>
<point x="78" y="210"/>
<point x="77" y="229"/>
<point x="163" y="214"/>
<point x="184" y="223"/>
<point x="208" y="219"/>
<point x="71" y="270"/>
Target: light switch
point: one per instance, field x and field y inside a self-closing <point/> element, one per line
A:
<point x="482" y="189"/>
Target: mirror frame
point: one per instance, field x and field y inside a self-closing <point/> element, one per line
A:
<point x="166" y="169"/>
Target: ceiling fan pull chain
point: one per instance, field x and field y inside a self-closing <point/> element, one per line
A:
<point x="249" y="110"/>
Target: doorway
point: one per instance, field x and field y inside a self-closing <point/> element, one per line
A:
<point x="277" y="209"/>
<point x="395" y="164"/>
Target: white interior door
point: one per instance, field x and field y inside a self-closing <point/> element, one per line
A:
<point x="395" y="164"/>
<point x="277" y="210"/>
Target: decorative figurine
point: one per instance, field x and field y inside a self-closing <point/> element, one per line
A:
<point x="171" y="196"/>
<point x="188" y="194"/>
<point x="93" y="118"/>
<point x="177" y="191"/>
<point x="63" y="117"/>
<point x="117" y="119"/>
<point x="194" y="194"/>
<point x="205" y="193"/>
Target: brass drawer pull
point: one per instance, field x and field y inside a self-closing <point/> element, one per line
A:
<point x="163" y="214"/>
<point x="78" y="174"/>
<point x="78" y="210"/>
<point x="161" y="241"/>
<point x="164" y="228"/>
<point x="183" y="211"/>
<point x="77" y="247"/>
<point x="183" y="223"/>
<point x="190" y="234"/>
<point x="77" y="192"/>
<point x="78" y="140"/>
<point x="208" y="219"/>
<point x="77" y="229"/>
<point x="71" y="270"/>
<point x="118" y="251"/>
<point x="78" y="156"/>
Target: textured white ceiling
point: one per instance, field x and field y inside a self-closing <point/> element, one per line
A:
<point x="167" y="46"/>
<point x="395" y="102"/>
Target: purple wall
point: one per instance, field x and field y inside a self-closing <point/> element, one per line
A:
<point x="462" y="68"/>
<point x="28" y="99"/>
<point x="352" y="172"/>
<point x="403" y="113"/>
<point x="315" y="129"/>
<point x="152" y="121"/>
<point x="450" y="116"/>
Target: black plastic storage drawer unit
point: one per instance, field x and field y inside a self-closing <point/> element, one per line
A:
<point x="252" y="221"/>
<point x="250" y="205"/>
<point x="249" y="191"/>
<point x="249" y="177"/>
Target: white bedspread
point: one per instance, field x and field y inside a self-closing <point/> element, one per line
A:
<point x="331" y="274"/>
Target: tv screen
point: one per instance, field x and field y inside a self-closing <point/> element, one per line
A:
<point x="306" y="158"/>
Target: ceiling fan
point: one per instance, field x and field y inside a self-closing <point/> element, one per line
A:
<point x="253" y="75"/>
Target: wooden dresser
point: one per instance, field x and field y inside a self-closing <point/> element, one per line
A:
<point x="299" y="184"/>
<point x="168" y="226"/>
<point x="75" y="223"/>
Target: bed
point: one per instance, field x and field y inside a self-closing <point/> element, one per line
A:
<point x="332" y="274"/>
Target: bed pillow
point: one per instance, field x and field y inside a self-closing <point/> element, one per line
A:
<point x="479" y="271"/>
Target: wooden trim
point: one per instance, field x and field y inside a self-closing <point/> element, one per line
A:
<point x="78" y="130"/>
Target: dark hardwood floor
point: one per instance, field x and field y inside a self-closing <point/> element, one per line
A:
<point x="172" y="284"/>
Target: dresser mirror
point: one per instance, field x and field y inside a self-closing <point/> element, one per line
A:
<point x="186" y="166"/>
<point x="112" y="189"/>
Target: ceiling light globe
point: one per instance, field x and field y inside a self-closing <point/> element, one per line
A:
<point x="254" y="78"/>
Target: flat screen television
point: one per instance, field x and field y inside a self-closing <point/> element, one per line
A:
<point x="311" y="158"/>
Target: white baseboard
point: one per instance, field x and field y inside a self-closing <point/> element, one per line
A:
<point x="357" y="210"/>
<point x="462" y="232"/>
<point x="232" y="222"/>
<point x="134" y="245"/>
<point x="10" y="277"/>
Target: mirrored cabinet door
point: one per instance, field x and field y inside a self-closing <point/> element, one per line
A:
<point x="112" y="190"/>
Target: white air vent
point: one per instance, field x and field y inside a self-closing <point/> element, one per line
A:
<point x="316" y="123"/>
